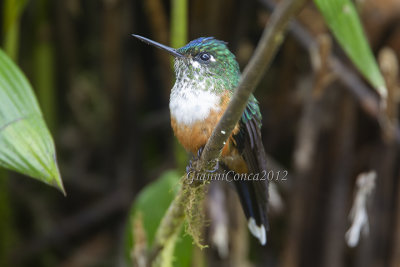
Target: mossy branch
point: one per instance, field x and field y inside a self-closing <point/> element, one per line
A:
<point x="271" y="38"/>
<point x="170" y="225"/>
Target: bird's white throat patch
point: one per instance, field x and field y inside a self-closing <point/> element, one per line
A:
<point x="189" y="105"/>
<point x="192" y="98"/>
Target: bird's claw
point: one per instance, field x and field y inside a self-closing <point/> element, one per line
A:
<point x="191" y="166"/>
<point x="199" y="152"/>
<point x="215" y="168"/>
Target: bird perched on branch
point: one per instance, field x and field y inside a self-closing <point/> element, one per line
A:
<point x="206" y="75"/>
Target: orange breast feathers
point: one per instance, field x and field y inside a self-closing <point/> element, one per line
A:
<point x="196" y="135"/>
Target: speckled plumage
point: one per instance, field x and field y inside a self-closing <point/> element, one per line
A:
<point x="198" y="84"/>
<point x="220" y="73"/>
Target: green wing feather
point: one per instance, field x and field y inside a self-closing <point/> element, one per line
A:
<point x="253" y="194"/>
<point x="252" y="111"/>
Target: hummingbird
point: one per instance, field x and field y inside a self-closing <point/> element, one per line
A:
<point x="207" y="74"/>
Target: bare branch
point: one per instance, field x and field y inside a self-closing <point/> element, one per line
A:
<point x="270" y="40"/>
<point x="368" y="100"/>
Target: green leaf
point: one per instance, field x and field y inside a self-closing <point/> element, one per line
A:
<point x="26" y="145"/>
<point x="183" y="251"/>
<point x="149" y="207"/>
<point x="342" y="18"/>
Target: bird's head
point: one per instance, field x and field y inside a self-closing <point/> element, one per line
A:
<point x="205" y="61"/>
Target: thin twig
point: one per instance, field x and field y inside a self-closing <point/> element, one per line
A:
<point x="368" y="100"/>
<point x="270" y="40"/>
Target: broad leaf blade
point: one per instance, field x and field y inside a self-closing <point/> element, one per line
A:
<point x="150" y="206"/>
<point x="26" y="145"/>
<point x="342" y="18"/>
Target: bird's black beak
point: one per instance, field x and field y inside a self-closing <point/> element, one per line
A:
<point x="170" y="50"/>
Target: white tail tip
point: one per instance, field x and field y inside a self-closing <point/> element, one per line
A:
<point x="258" y="231"/>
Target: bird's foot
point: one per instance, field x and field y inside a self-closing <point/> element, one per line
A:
<point x="215" y="166"/>
<point x="189" y="167"/>
<point x="192" y="166"/>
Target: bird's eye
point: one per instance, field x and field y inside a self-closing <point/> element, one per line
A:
<point x="205" y="56"/>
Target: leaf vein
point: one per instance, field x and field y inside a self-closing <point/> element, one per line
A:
<point x="2" y="128"/>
